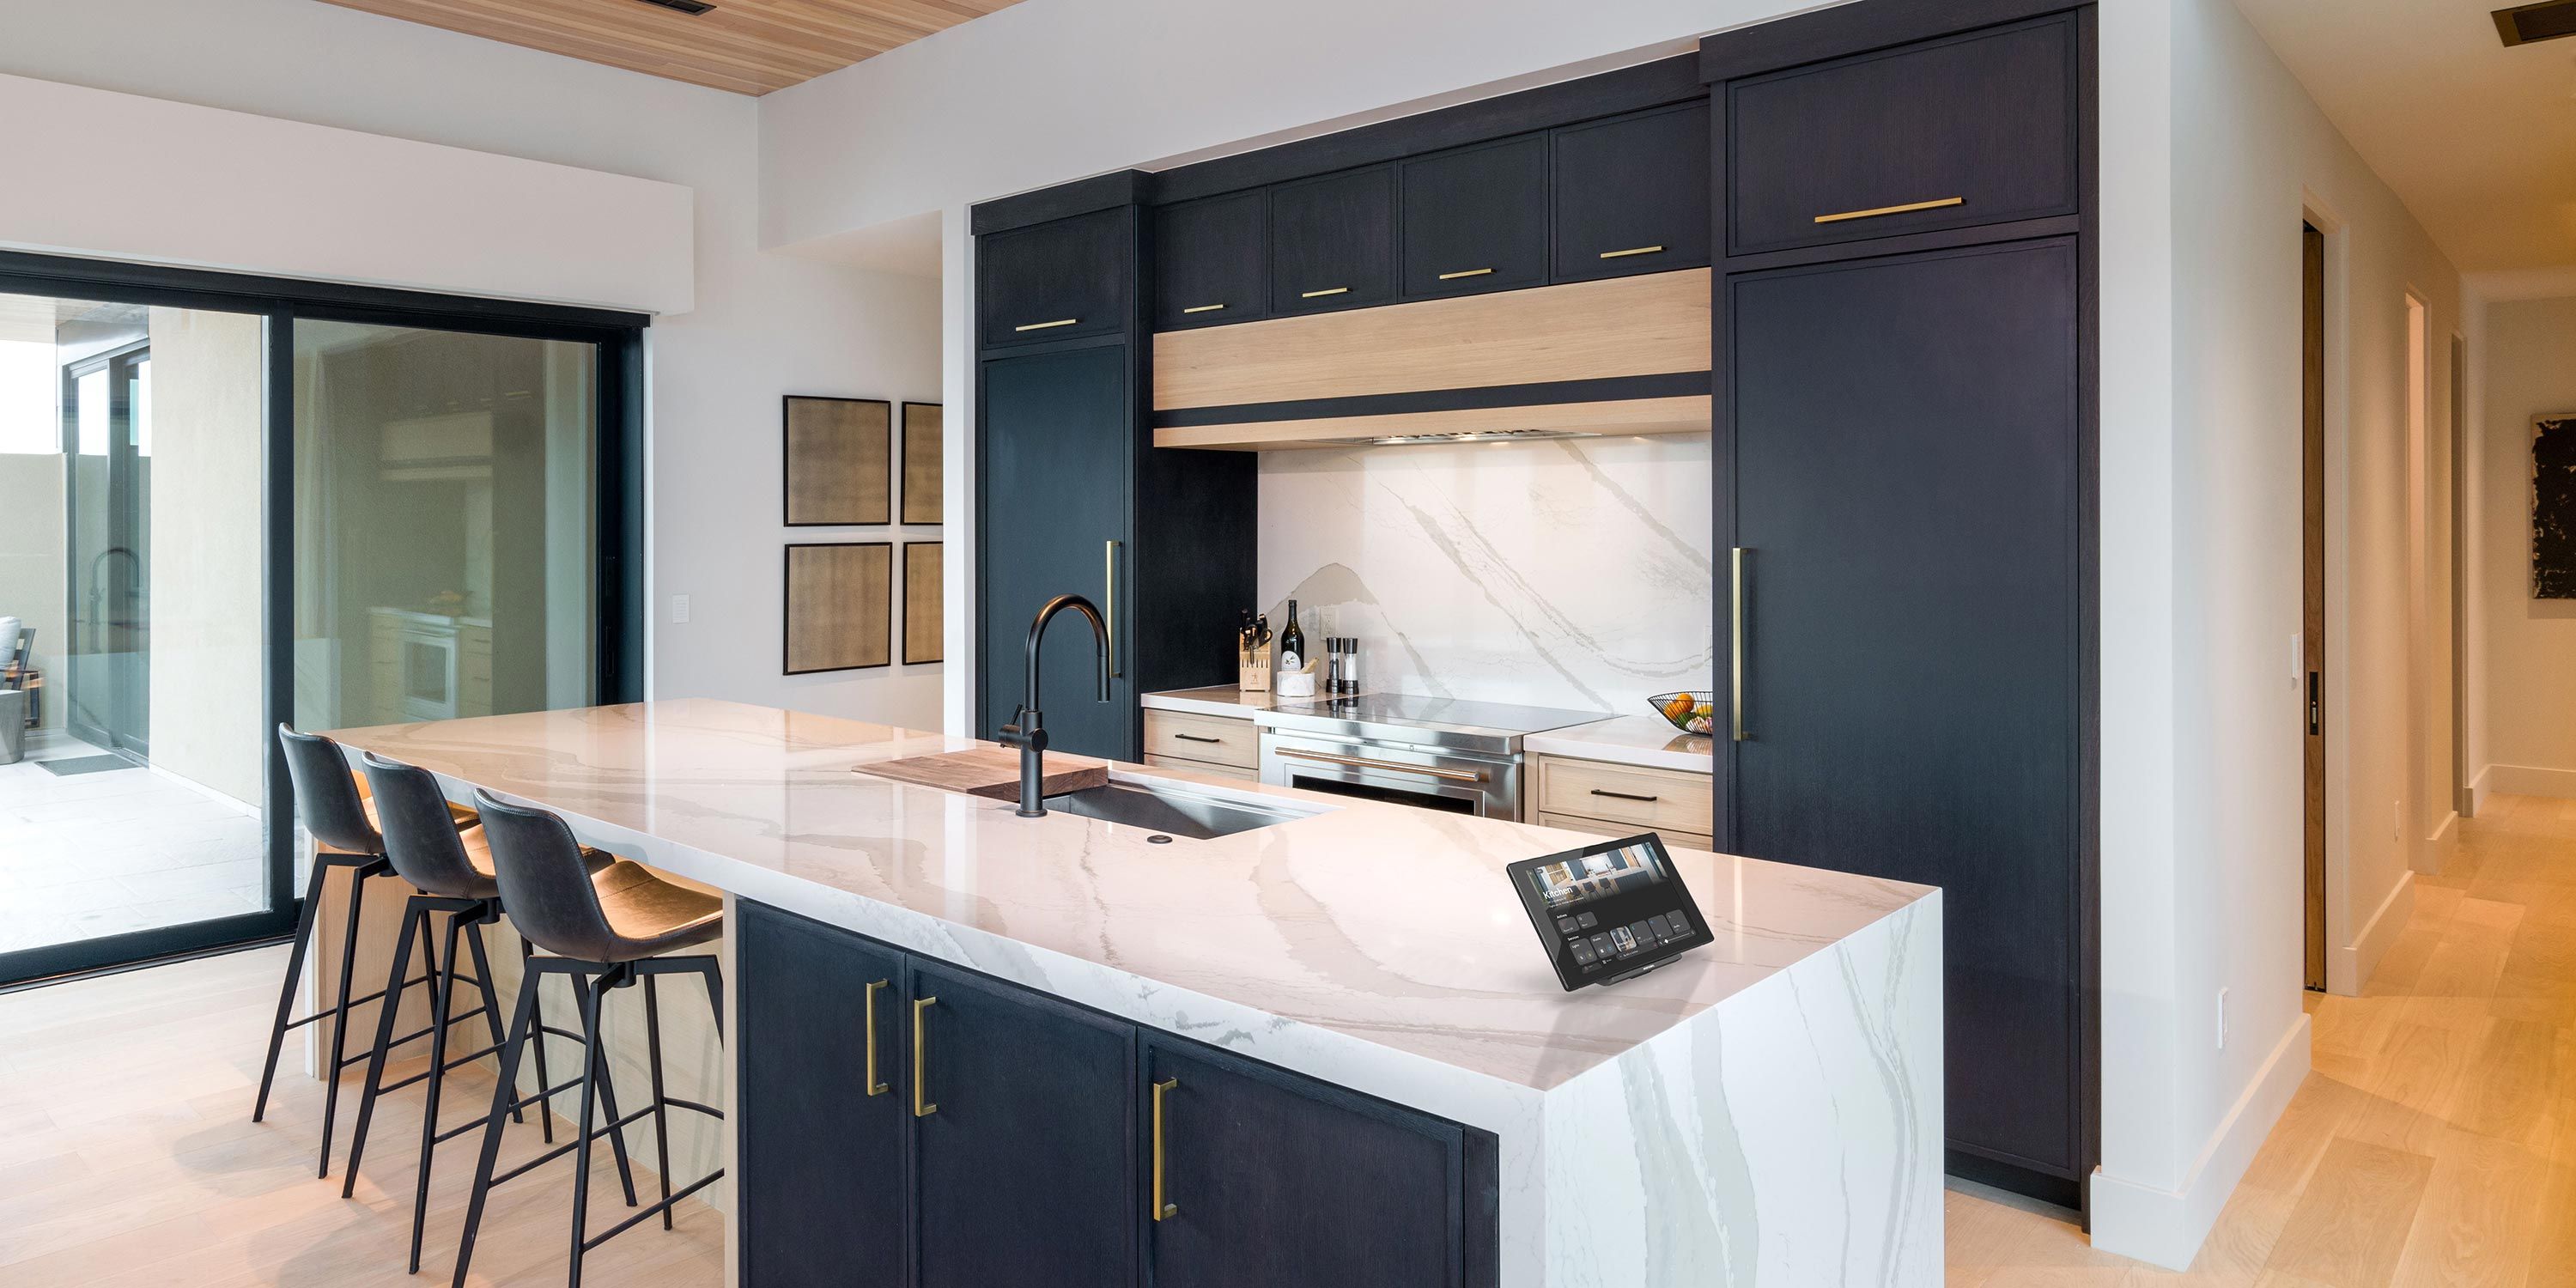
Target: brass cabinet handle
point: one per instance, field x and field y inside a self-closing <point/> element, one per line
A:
<point x="1465" y="272"/>
<point x="875" y="1088"/>
<point x="1875" y="211"/>
<point x="1329" y="290"/>
<point x="1633" y="250"/>
<point x="1109" y="611"/>
<point x="1042" y="326"/>
<point x="1355" y="762"/>
<point x="1203" y="308"/>
<point x="1194" y="737"/>
<point x="920" y="1054"/>
<point x="1625" y="796"/>
<point x="1735" y="618"/>
<point x="1161" y="1209"/>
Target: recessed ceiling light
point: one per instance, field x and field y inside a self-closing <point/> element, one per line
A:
<point x="690" y="7"/>
<point x="2523" y="24"/>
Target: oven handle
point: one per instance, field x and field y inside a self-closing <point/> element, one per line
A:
<point x="1394" y="767"/>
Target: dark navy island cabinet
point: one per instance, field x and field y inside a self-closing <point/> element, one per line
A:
<point x="1003" y="1136"/>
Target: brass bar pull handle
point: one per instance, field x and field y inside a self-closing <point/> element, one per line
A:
<point x="1203" y="308"/>
<point x="1735" y="636"/>
<point x="1875" y="211"/>
<point x="1046" y="326"/>
<point x="1161" y="1208"/>
<point x="1464" y="272"/>
<point x="1196" y="737"/>
<point x="1625" y="796"/>
<point x="1329" y="290"/>
<point x="875" y="1088"/>
<point x="1633" y="250"/>
<point x="1109" y="611"/>
<point x="1355" y="762"/>
<point x="920" y="1055"/>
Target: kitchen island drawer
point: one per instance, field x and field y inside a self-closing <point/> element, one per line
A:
<point x="1209" y="768"/>
<point x="1210" y="740"/>
<point x="1657" y="799"/>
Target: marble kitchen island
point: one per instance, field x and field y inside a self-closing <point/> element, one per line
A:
<point x="1766" y="1110"/>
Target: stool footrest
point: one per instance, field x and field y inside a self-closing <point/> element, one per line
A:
<point x="652" y="1209"/>
<point x="570" y="1145"/>
<point x="709" y="1110"/>
<point x="355" y="1001"/>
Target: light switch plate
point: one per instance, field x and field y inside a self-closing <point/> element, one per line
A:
<point x="679" y="609"/>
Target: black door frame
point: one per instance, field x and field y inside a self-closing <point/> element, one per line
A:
<point x="618" y="406"/>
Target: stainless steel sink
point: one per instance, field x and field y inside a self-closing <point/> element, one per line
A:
<point x="1171" y="809"/>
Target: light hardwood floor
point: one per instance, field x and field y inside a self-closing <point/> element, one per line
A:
<point x="2435" y="1143"/>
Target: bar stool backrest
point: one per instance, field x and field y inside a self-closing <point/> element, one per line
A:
<point x="326" y="793"/>
<point x="545" y="882"/>
<point x="420" y="834"/>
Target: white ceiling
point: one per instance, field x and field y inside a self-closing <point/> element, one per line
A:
<point x="2479" y="140"/>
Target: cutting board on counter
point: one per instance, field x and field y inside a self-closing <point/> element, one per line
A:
<point x="991" y="771"/>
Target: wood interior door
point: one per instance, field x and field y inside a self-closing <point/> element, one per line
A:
<point x="2312" y="579"/>
<point x="1907" y="443"/>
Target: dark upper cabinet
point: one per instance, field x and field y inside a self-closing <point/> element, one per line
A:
<point x="1274" y="1181"/>
<point x="1332" y="241"/>
<point x="1053" y="281"/>
<point x="1905" y="478"/>
<point x="822" y="1173"/>
<point x="1212" y="261"/>
<point x="1475" y="219"/>
<point x="1975" y="129"/>
<point x="1058" y="447"/>
<point x="1026" y="1159"/>
<point x="1632" y="194"/>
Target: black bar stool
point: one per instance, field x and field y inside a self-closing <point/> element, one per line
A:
<point x="345" y="836"/>
<point x="605" y="927"/>
<point x="439" y="862"/>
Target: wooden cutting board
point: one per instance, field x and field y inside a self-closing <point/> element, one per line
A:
<point x="991" y="771"/>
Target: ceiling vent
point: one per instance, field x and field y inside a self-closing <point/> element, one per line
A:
<point x="695" y="7"/>
<point x="2524" y="24"/>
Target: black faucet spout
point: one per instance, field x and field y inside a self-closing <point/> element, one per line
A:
<point x="1027" y="731"/>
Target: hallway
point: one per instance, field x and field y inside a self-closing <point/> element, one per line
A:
<point x="2434" y="1141"/>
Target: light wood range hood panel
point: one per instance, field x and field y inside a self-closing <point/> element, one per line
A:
<point x="1612" y="356"/>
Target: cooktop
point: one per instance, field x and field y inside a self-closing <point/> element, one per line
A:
<point x="1384" y="714"/>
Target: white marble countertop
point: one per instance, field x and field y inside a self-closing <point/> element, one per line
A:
<point x="1222" y="700"/>
<point x="1377" y="923"/>
<point x="1628" y="740"/>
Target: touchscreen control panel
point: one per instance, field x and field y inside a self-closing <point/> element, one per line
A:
<point x="1610" y="910"/>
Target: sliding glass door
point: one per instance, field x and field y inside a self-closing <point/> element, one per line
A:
<point x="230" y="503"/>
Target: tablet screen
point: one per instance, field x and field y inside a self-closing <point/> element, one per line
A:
<point x="1609" y="911"/>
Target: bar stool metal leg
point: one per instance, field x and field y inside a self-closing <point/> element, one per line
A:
<point x="538" y="1031"/>
<point x="661" y="1105"/>
<point x="592" y="1057"/>
<point x="286" y="989"/>
<point x="503" y="1095"/>
<point x="340" y="1023"/>
<point x="415" y="927"/>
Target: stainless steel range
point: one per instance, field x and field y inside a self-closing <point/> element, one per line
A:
<point x="1438" y="753"/>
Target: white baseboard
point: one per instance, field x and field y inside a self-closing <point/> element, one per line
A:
<point x="2166" y="1227"/>
<point x="2441" y="846"/>
<point x="2523" y="780"/>
<point x="2348" y="966"/>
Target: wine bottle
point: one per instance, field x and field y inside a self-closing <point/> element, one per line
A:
<point x="1292" y="643"/>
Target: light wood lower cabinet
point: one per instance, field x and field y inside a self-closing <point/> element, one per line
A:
<point x="1621" y="800"/>
<point x="1203" y="767"/>
<point x="1229" y="747"/>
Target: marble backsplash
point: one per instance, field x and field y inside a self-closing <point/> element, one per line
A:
<point x="1571" y="573"/>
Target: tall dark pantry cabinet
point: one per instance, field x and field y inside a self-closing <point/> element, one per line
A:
<point x="1905" y="429"/>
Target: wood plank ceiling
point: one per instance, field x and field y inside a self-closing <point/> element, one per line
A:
<point x="746" y="46"/>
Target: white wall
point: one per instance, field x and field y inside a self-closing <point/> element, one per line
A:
<point x="2527" y="704"/>
<point x="2220" y="908"/>
<point x="761" y="326"/>
<point x="206" y="472"/>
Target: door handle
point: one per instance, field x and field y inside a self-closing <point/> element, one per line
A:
<point x="1045" y="326"/>
<point x="920" y="1056"/>
<point x="1109" y="612"/>
<point x="1625" y="796"/>
<point x="1465" y="272"/>
<point x="1192" y="737"/>
<point x="1161" y="1209"/>
<point x="1735" y="636"/>
<point x="875" y="1088"/>
<point x="1329" y="290"/>
<point x="2315" y="713"/>
<point x="1633" y="250"/>
<point x="1875" y="211"/>
<point x="1356" y="762"/>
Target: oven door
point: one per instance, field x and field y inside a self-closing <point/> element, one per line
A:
<point x="1453" y="782"/>
<point x="428" y="675"/>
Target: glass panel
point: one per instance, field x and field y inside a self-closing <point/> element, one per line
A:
<point x="135" y="801"/>
<point x="444" y="498"/>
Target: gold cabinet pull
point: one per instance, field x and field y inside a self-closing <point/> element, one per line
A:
<point x="1042" y="326"/>
<point x="1161" y="1208"/>
<point x="1464" y="272"/>
<point x="1329" y="290"/>
<point x="1735" y="617"/>
<point x="1633" y="250"/>
<point x="920" y="1055"/>
<point x="875" y="1088"/>
<point x="1875" y="211"/>
<point x="1203" y="308"/>
<point x="1109" y="611"/>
